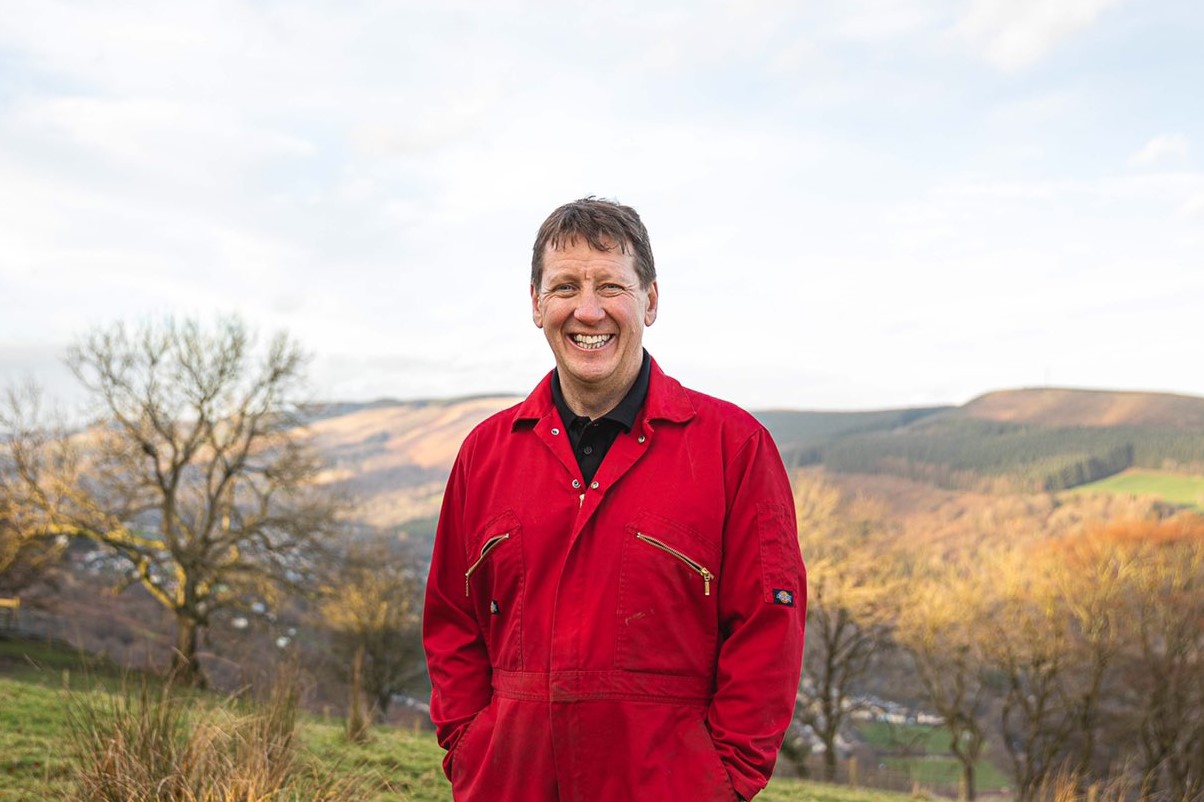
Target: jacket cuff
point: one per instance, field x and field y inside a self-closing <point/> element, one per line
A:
<point x="744" y="790"/>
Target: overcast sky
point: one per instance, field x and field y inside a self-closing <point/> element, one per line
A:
<point x="864" y="204"/>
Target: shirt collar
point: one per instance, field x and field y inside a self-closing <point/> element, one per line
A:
<point x="624" y="412"/>
<point x="667" y="401"/>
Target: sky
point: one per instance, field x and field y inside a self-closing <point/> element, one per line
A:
<point x="855" y="205"/>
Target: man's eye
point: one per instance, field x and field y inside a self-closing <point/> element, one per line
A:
<point x="563" y="289"/>
<point x="611" y="289"/>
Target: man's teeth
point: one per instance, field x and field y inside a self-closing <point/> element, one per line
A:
<point x="591" y="340"/>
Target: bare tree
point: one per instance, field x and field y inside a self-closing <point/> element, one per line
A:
<point x="374" y="610"/>
<point x="1091" y="579"/>
<point x="194" y="473"/>
<point x="1164" y="657"/>
<point x="26" y="553"/>
<point x="941" y="625"/>
<point x="849" y="605"/>
<point x="28" y="549"/>
<point x="1033" y="656"/>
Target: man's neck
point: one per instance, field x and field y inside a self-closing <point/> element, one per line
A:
<point x="594" y="402"/>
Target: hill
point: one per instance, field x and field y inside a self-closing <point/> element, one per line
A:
<point x="1032" y="440"/>
<point x="1060" y="408"/>
<point x="394" y="457"/>
<point x="796" y="431"/>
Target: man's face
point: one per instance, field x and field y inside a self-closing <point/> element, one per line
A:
<point x="593" y="311"/>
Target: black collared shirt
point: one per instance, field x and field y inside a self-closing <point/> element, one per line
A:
<point x="591" y="439"/>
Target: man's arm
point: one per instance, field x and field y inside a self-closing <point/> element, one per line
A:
<point x="763" y="610"/>
<point x="456" y="656"/>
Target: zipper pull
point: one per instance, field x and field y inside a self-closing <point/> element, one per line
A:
<point x="580" y="500"/>
<point x="466" y="576"/>
<point x="707" y="576"/>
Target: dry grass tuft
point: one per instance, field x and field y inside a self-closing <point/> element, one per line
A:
<point x="165" y="744"/>
<point x="1070" y="787"/>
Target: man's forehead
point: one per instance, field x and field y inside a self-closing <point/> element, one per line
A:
<point x="587" y="259"/>
<point x="570" y="241"/>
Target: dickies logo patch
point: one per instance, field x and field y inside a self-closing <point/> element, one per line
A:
<point x="494" y="609"/>
<point x="783" y="597"/>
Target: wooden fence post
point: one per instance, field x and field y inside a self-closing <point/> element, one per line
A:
<point x="853" y="772"/>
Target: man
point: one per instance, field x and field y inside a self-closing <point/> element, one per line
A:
<point x="616" y="601"/>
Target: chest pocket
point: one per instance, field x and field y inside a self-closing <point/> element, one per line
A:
<point x="494" y="583"/>
<point x="667" y="619"/>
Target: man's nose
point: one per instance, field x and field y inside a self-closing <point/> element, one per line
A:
<point x="589" y="307"/>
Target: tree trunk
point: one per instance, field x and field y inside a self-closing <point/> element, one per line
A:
<point x="185" y="663"/>
<point x="358" y="723"/>
<point x="382" y="705"/>
<point x="830" y="760"/>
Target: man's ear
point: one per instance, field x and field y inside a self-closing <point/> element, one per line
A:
<point x="536" y="314"/>
<point x="650" y="312"/>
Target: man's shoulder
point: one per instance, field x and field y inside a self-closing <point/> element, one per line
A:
<point x="712" y="410"/>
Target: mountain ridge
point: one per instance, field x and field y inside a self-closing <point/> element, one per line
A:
<point x="1064" y="406"/>
<point x="394" y="457"/>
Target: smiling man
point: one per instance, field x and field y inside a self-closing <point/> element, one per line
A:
<point x="616" y="601"/>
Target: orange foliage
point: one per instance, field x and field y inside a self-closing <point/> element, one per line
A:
<point x="1127" y="537"/>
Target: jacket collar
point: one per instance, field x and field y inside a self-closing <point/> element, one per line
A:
<point x="666" y="400"/>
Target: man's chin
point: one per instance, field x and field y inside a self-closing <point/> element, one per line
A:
<point x="589" y="368"/>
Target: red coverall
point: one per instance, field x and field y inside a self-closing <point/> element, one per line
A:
<point x="637" y="639"/>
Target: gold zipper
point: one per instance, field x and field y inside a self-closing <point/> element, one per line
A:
<point x="490" y="544"/>
<point x="697" y="568"/>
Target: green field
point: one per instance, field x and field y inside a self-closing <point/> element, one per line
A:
<point x="922" y="752"/>
<point x="39" y="682"/>
<point x="1173" y="487"/>
<point x="945" y="772"/>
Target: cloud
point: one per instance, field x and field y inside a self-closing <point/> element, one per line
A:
<point x="1192" y="209"/>
<point x="1015" y="34"/>
<point x="830" y="191"/>
<point x="1162" y="148"/>
<point x="883" y="21"/>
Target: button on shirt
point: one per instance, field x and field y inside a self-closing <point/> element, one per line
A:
<point x="591" y="439"/>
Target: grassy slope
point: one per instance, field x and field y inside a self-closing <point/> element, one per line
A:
<point x="1172" y="487"/>
<point x="33" y="719"/>
<point x="400" y="765"/>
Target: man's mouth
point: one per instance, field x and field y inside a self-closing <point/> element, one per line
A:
<point x="591" y="342"/>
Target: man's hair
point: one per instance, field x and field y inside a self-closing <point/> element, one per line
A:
<point x="605" y="225"/>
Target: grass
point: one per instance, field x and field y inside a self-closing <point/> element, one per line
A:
<point x="922" y="753"/>
<point x="946" y="772"/>
<point x="784" y="790"/>
<point x="1173" y="487"/>
<point x="915" y="738"/>
<point x="42" y="686"/>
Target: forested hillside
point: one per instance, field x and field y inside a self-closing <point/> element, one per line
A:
<point x="394" y="457"/>
<point x="1024" y="440"/>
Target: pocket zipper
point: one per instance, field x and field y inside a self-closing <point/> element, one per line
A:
<point x="697" y="568"/>
<point x="490" y="544"/>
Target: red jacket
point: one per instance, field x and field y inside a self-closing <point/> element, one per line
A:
<point x="637" y="639"/>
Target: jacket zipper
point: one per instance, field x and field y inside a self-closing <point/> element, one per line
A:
<point x="490" y="544"/>
<point x="697" y="568"/>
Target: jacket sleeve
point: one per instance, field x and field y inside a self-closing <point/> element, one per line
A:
<point x="456" y="655"/>
<point x="762" y="610"/>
